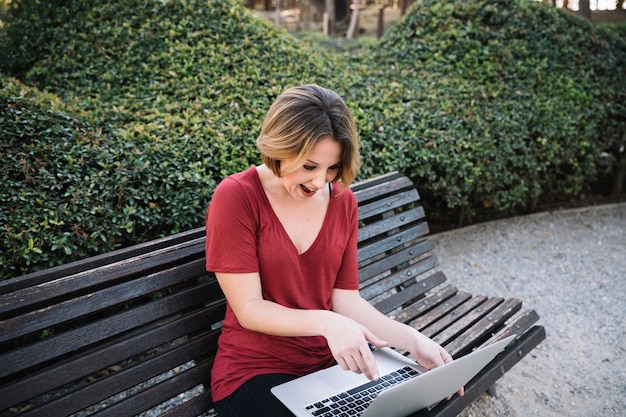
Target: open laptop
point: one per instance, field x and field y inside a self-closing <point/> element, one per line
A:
<point x="404" y="386"/>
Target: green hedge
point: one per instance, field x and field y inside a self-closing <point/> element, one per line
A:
<point x="120" y="117"/>
<point x="518" y="100"/>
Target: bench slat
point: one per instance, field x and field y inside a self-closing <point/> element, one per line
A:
<point x="488" y="376"/>
<point x="89" y="303"/>
<point x="124" y="379"/>
<point x="439" y="324"/>
<point x="519" y="325"/>
<point x="382" y="227"/>
<point x="405" y="277"/>
<point x="394" y="260"/>
<point x="156" y="394"/>
<point x="371" y="182"/>
<point x="98" y="261"/>
<point x="101" y="330"/>
<point x="406" y="198"/>
<point x="371" y="250"/>
<point x="443" y="308"/>
<point x="466" y="321"/>
<point x="415" y="309"/>
<point x="377" y="190"/>
<point x="193" y="407"/>
<point x="409" y="294"/>
<point x="85" y="364"/>
<point x="485" y="327"/>
<point x="81" y="282"/>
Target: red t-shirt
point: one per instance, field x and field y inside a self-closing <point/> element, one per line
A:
<point x="244" y="235"/>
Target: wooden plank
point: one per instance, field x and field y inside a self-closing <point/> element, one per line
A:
<point x="418" y="308"/>
<point x="448" y="307"/>
<point x="50" y="316"/>
<point x="409" y="293"/>
<point x="370" y="182"/>
<point x="464" y="322"/>
<point x="483" y="328"/>
<point x="156" y="394"/>
<point x="439" y="324"/>
<point x="376" y="207"/>
<point x="383" y="189"/>
<point x="373" y="249"/>
<point x="488" y="376"/>
<point x="85" y="364"/>
<point x="66" y="286"/>
<point x="392" y="261"/>
<point x="127" y="378"/>
<point x="387" y="225"/>
<point x="520" y="325"/>
<point x="197" y="405"/>
<point x="97" y="332"/>
<point x="97" y="261"/>
<point x="406" y="277"/>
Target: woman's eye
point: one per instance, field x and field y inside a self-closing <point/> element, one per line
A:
<point x="334" y="167"/>
<point x="309" y="167"/>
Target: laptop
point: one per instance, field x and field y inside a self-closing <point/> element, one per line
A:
<point x="403" y="388"/>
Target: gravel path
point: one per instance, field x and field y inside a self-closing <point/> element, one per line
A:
<point x="570" y="266"/>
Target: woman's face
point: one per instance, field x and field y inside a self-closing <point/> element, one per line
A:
<point x="320" y="167"/>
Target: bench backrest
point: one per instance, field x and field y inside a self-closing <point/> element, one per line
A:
<point x="79" y="336"/>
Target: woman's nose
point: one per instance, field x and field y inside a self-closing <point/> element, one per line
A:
<point x="320" y="181"/>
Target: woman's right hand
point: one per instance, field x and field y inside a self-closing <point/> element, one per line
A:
<point x="349" y="343"/>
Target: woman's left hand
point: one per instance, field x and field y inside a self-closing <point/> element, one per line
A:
<point x="430" y="355"/>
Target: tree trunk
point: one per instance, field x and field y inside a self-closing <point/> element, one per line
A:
<point x="354" y="21"/>
<point x="585" y="9"/>
<point x="277" y="13"/>
<point x="332" y="16"/>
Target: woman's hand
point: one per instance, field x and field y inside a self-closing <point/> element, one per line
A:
<point x="430" y="354"/>
<point x="348" y="342"/>
<point x="375" y="325"/>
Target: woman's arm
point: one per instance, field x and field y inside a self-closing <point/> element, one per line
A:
<point x="244" y="294"/>
<point x="350" y="304"/>
<point x="426" y="352"/>
<point x="347" y="339"/>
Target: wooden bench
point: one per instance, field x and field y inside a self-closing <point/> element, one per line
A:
<point x="137" y="328"/>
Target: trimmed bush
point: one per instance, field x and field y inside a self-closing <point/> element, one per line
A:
<point x="127" y="114"/>
<point x="506" y="103"/>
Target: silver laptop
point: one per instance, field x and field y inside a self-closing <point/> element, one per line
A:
<point x="404" y="387"/>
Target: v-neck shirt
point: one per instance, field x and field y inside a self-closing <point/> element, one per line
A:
<point x="244" y="235"/>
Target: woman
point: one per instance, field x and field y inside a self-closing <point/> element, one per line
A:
<point x="282" y="241"/>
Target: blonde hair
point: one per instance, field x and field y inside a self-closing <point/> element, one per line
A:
<point x="298" y="119"/>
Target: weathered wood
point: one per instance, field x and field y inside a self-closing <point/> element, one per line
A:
<point x="450" y="308"/>
<point x="97" y="261"/>
<point x="426" y="304"/>
<point x="100" y="300"/>
<point x="409" y="293"/>
<point x="90" y="362"/>
<point x="82" y="281"/>
<point x="488" y="376"/>
<point x="392" y="261"/>
<point x="75" y="336"/>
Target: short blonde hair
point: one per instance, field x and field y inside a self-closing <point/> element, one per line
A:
<point x="298" y="119"/>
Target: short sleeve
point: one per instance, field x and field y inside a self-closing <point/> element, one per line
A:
<point x="348" y="274"/>
<point x="231" y="227"/>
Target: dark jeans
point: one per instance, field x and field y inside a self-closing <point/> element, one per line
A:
<point x="254" y="399"/>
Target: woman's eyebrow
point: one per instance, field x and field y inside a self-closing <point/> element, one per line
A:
<point x="315" y="163"/>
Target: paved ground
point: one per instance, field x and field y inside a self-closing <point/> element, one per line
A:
<point x="570" y="266"/>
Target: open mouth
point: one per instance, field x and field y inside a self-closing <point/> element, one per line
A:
<point x="307" y="190"/>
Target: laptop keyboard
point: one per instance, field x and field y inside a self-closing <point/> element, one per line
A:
<point x="354" y="402"/>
